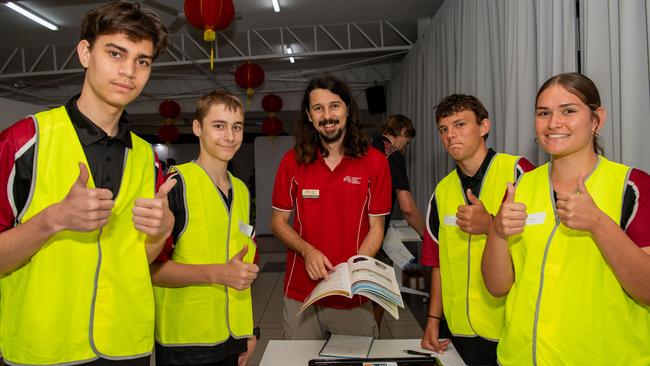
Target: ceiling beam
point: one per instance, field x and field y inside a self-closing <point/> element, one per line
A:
<point x="184" y="48"/>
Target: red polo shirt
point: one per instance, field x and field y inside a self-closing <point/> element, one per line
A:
<point x="331" y="211"/>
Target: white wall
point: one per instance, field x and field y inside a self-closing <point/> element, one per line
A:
<point x="268" y="153"/>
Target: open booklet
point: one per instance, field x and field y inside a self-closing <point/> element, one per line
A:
<point x="361" y="275"/>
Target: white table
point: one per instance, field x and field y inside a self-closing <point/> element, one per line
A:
<point x="298" y="353"/>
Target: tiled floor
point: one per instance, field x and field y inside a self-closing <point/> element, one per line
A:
<point x="267" y="302"/>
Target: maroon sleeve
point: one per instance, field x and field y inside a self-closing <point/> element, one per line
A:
<point x="283" y="189"/>
<point x="13" y="141"/>
<point x="523" y="166"/>
<point x="638" y="226"/>
<point x="430" y="250"/>
<point x="166" y="252"/>
<point x="380" y="185"/>
<point x="160" y="175"/>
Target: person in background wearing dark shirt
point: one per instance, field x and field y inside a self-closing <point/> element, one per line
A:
<point x="459" y="215"/>
<point x="80" y="218"/>
<point x="397" y="132"/>
<point x="202" y="280"/>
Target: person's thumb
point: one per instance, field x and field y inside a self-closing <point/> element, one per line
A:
<point x="82" y="179"/>
<point x="165" y="188"/>
<point x="582" y="188"/>
<point x="510" y="196"/>
<point x="473" y="199"/>
<point x="240" y="256"/>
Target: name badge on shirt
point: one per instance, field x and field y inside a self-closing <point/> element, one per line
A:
<point x="310" y="193"/>
<point x="245" y="229"/>
<point x="449" y="220"/>
<point x="536" y="218"/>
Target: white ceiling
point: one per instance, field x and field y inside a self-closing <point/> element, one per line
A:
<point x="42" y="78"/>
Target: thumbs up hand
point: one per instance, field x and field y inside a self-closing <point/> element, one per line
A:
<point x="511" y="218"/>
<point x="577" y="210"/>
<point x="238" y="274"/>
<point x="83" y="208"/>
<point x="152" y="215"/>
<point x="473" y="218"/>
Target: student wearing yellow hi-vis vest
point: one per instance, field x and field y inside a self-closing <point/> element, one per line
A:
<point x="458" y="217"/>
<point x="202" y="280"/>
<point x="80" y="219"/>
<point x="570" y="246"/>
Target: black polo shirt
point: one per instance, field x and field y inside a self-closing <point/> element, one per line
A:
<point x="397" y="165"/>
<point x="474" y="182"/>
<point x="105" y="154"/>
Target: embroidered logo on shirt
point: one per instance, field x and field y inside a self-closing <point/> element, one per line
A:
<point x="352" y="180"/>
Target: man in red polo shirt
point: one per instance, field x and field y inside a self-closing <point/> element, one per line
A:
<point x="340" y="190"/>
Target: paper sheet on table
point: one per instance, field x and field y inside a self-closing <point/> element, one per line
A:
<point x="395" y="249"/>
<point x="404" y="231"/>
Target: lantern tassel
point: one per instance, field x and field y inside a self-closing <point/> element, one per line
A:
<point x="209" y="36"/>
<point x="212" y="57"/>
<point x="249" y="95"/>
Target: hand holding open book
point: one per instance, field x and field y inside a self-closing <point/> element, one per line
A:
<point x="361" y="275"/>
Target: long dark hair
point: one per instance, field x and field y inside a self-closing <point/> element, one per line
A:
<point x="583" y="88"/>
<point x="308" y="142"/>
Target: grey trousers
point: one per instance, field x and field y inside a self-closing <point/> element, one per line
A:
<point x="317" y="322"/>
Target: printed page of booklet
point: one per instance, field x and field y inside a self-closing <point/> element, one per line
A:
<point x="361" y="275"/>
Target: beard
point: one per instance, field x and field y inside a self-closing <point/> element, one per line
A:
<point x="332" y="137"/>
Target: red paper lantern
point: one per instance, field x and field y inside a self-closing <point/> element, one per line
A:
<point x="272" y="126"/>
<point x="168" y="133"/>
<point x="272" y="103"/>
<point x="209" y="15"/>
<point x="169" y="109"/>
<point x="248" y="76"/>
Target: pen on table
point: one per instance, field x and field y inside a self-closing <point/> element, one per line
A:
<point x="417" y="353"/>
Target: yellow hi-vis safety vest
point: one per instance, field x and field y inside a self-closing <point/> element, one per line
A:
<point x="566" y="307"/>
<point x="207" y="314"/>
<point x="83" y="294"/>
<point x="469" y="308"/>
